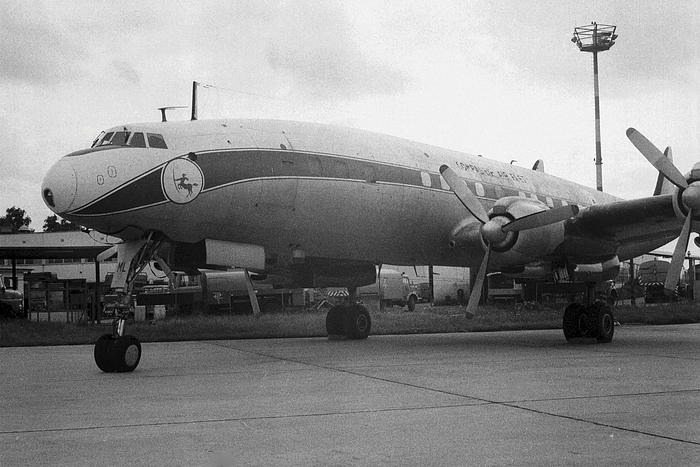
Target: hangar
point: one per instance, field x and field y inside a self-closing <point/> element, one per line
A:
<point x="59" y="267"/>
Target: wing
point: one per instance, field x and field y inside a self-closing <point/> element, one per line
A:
<point x="625" y="228"/>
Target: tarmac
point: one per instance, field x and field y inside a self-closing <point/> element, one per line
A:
<point x="524" y="398"/>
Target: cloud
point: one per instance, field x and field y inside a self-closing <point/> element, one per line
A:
<point x="37" y="53"/>
<point x="125" y="71"/>
<point x="312" y="46"/>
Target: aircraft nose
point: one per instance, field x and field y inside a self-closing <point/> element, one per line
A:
<point x="59" y="187"/>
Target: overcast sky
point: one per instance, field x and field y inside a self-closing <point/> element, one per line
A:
<point x="498" y="78"/>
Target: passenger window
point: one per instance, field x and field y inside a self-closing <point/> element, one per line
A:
<point x="443" y="183"/>
<point x="549" y="201"/>
<point x="138" y="141"/>
<point x="156" y="141"/>
<point x="479" y="189"/>
<point x="425" y="179"/>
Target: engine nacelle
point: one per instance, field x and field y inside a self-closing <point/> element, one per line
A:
<point x="526" y="246"/>
<point x="598" y="272"/>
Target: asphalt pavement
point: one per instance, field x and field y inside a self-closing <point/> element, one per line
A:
<point x="523" y="398"/>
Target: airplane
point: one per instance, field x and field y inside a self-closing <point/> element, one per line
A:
<point x="316" y="205"/>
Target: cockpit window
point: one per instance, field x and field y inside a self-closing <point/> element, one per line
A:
<point x="98" y="139"/>
<point x="138" y="141"/>
<point x="105" y="141"/>
<point x="120" y="138"/>
<point x="127" y="138"/>
<point x="156" y="141"/>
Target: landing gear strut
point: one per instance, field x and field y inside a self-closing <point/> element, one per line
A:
<point x="348" y="321"/>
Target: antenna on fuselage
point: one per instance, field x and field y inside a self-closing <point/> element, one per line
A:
<point x="194" y="100"/>
<point x="163" y="109"/>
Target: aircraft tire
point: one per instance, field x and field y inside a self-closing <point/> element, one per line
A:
<point x="573" y="321"/>
<point x="357" y="322"/>
<point x="102" y="352"/>
<point x="334" y="321"/>
<point x="604" y="322"/>
<point x="125" y="354"/>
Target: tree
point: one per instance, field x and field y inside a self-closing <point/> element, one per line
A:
<point x="15" y="218"/>
<point x="52" y="224"/>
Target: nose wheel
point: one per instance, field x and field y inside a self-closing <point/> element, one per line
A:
<point x="120" y="354"/>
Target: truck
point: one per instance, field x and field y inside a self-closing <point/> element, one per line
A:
<point x="392" y="288"/>
<point x="652" y="275"/>
<point x="501" y="287"/>
<point x="213" y="291"/>
<point x="11" y="302"/>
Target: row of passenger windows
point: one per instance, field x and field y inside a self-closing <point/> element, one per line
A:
<point x="127" y="138"/>
<point x="337" y="168"/>
<point x="490" y="191"/>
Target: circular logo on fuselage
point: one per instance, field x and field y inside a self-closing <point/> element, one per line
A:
<point x="182" y="180"/>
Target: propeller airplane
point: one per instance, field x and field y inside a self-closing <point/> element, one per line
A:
<point x="311" y="205"/>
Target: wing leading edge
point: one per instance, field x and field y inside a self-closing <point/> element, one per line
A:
<point x="623" y="228"/>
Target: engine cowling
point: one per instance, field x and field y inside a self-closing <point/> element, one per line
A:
<point x="513" y="247"/>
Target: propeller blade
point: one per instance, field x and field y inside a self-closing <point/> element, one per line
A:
<point x="540" y="219"/>
<point x="674" y="271"/>
<point x="663" y="185"/>
<point x="662" y="163"/>
<point x="469" y="200"/>
<point x="475" y="293"/>
<point x="108" y="253"/>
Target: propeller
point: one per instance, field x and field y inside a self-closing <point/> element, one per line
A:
<point x="496" y="230"/>
<point x="690" y="198"/>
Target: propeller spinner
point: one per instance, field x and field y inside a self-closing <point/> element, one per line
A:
<point x="494" y="231"/>
<point x="690" y="197"/>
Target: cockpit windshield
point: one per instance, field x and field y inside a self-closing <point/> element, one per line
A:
<point x="128" y="138"/>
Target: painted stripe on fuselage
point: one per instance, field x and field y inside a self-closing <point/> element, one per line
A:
<point x="222" y="168"/>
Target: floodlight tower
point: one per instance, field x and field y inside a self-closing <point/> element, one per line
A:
<point x="595" y="38"/>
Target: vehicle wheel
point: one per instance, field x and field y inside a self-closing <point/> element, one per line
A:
<point x="574" y="321"/>
<point x="102" y="350"/>
<point x="604" y="322"/>
<point x="334" y="321"/>
<point x="272" y="305"/>
<point x="411" y="303"/>
<point x="125" y="354"/>
<point x="357" y="322"/>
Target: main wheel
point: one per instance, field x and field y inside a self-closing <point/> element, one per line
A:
<point x="603" y="322"/>
<point x="125" y="354"/>
<point x="103" y="347"/>
<point x="357" y="322"/>
<point x="574" y="321"/>
<point x="334" y="321"/>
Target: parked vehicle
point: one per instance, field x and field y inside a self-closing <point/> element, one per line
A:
<point x="652" y="276"/>
<point x="392" y="288"/>
<point x="215" y="291"/>
<point x="501" y="287"/>
<point x="11" y="302"/>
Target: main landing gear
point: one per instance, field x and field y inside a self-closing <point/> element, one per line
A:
<point x="592" y="321"/>
<point x="348" y="321"/>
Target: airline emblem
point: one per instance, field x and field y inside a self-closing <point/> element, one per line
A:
<point x="182" y="180"/>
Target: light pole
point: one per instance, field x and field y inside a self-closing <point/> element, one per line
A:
<point x="595" y="38"/>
